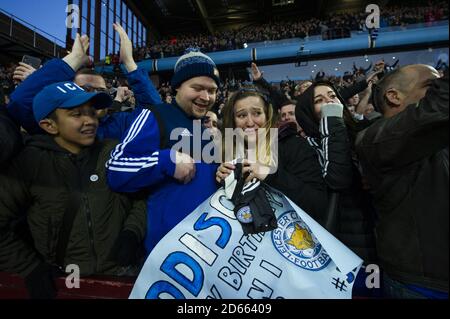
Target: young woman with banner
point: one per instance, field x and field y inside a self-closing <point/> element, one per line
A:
<point x="248" y="240"/>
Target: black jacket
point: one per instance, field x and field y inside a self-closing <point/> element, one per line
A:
<point x="10" y="137"/>
<point x="277" y="98"/>
<point x="355" y="88"/>
<point x="298" y="175"/>
<point x="405" y="158"/>
<point x="38" y="185"/>
<point x="331" y="139"/>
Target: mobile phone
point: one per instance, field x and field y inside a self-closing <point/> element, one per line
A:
<point x="31" y="60"/>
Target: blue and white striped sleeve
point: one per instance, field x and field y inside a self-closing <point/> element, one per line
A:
<point x="137" y="162"/>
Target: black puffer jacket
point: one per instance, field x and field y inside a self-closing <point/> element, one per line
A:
<point x="10" y="137"/>
<point x="298" y="175"/>
<point x="330" y="137"/>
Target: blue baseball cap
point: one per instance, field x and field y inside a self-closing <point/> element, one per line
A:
<point x="66" y="95"/>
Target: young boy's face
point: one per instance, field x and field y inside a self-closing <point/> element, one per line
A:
<point x="76" y="127"/>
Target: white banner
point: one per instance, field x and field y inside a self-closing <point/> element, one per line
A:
<point x="208" y="256"/>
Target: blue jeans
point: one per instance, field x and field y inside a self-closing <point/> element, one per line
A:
<point x="361" y="291"/>
<point x="393" y="289"/>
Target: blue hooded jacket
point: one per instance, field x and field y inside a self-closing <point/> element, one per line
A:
<point x="139" y="162"/>
<point x="56" y="70"/>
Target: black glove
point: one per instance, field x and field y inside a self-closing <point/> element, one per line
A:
<point x="125" y="249"/>
<point x="40" y="282"/>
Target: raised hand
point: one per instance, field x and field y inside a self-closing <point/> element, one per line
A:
<point x="22" y="71"/>
<point x="78" y="55"/>
<point x="372" y="78"/>
<point x="256" y="73"/>
<point x="126" y="48"/>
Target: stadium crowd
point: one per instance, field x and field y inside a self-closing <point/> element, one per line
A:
<point x="88" y="175"/>
<point x="174" y="45"/>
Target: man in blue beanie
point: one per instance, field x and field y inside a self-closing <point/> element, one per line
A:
<point x="145" y="159"/>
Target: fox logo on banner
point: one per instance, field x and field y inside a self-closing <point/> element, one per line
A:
<point x="207" y="256"/>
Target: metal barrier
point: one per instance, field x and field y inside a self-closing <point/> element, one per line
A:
<point x="313" y="49"/>
<point x="96" y="287"/>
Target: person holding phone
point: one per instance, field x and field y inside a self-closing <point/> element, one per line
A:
<point x="22" y="71"/>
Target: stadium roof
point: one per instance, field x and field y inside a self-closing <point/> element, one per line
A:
<point x="185" y="16"/>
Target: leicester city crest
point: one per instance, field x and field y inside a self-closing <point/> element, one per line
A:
<point x="244" y="215"/>
<point x="294" y="240"/>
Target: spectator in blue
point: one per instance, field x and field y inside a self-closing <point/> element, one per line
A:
<point x="59" y="70"/>
<point x="147" y="160"/>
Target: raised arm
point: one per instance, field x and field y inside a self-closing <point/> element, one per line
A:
<point x="56" y="70"/>
<point x="336" y="148"/>
<point x="144" y="90"/>
<point x="417" y="132"/>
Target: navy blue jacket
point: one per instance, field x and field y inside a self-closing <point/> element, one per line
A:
<point x="139" y="163"/>
<point x="21" y="105"/>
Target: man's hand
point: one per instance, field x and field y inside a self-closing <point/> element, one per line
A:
<point x="126" y="49"/>
<point x="22" y="71"/>
<point x="372" y="78"/>
<point x="185" y="168"/>
<point x="256" y="73"/>
<point x="78" y="57"/>
<point x="379" y="66"/>
<point x="123" y="94"/>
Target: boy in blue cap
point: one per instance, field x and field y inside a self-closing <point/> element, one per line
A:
<point x="59" y="182"/>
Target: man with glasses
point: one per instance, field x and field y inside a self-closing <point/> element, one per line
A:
<point x="90" y="81"/>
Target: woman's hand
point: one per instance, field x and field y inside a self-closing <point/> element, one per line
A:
<point x="254" y="170"/>
<point x="256" y="73"/>
<point x="223" y="171"/>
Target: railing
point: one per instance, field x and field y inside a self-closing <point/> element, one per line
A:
<point x="353" y="33"/>
<point x="99" y="287"/>
<point x="18" y="29"/>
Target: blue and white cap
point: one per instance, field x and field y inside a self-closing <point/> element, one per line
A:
<point x="193" y="64"/>
<point x="66" y="95"/>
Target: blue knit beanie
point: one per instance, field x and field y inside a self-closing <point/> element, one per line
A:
<point x="193" y="64"/>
